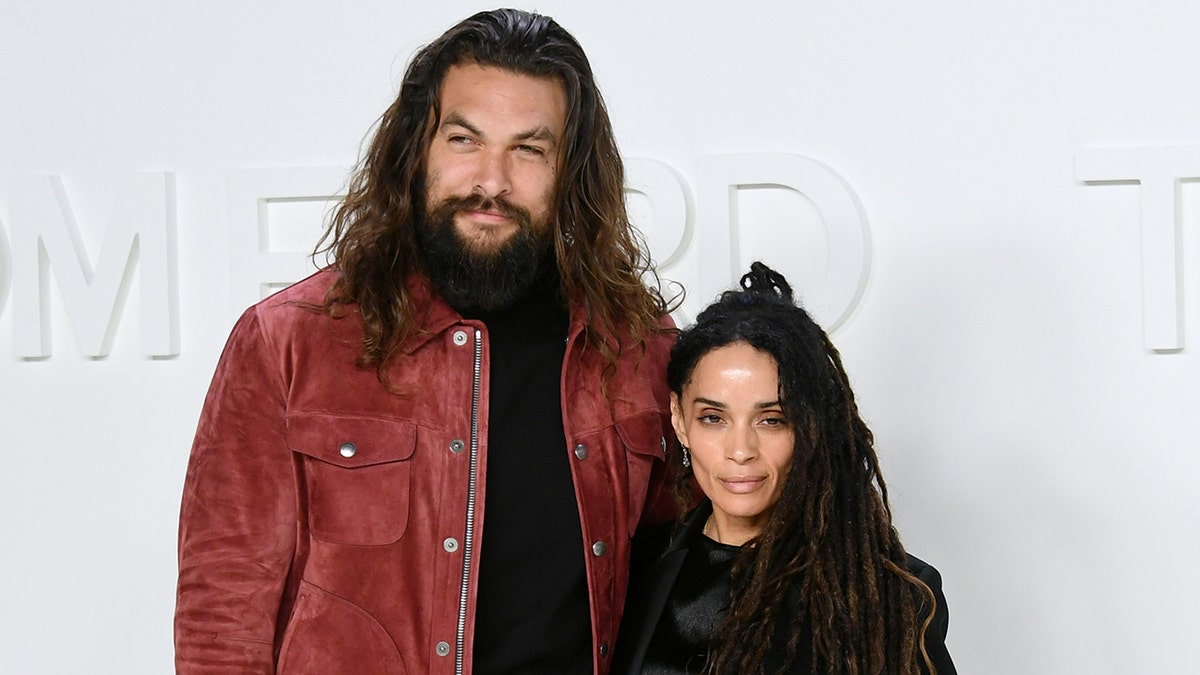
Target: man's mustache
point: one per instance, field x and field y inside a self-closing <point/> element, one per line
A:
<point x="477" y="202"/>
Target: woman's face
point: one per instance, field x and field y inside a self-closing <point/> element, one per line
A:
<point x="730" y="419"/>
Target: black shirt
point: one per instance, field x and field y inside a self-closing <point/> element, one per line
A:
<point x="698" y="604"/>
<point x="532" y="614"/>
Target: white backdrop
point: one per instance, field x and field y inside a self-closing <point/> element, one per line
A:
<point x="1039" y="451"/>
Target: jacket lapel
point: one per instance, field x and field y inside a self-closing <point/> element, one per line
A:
<point x="651" y="591"/>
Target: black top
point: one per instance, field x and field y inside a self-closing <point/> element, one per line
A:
<point x="532" y="614"/>
<point x="662" y="608"/>
<point x="697" y="605"/>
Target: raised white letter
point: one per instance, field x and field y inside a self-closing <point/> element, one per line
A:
<point x="833" y="297"/>
<point x="667" y="232"/>
<point x="258" y="264"/>
<point x="5" y="268"/>
<point x="142" y="230"/>
<point x="1159" y="171"/>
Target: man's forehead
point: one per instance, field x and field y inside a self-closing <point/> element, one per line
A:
<point x="471" y="94"/>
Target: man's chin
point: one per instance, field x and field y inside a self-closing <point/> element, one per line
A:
<point x="485" y="239"/>
<point x="487" y="246"/>
<point x="479" y="266"/>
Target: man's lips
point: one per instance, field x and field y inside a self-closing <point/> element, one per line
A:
<point x="487" y="216"/>
<point x="742" y="484"/>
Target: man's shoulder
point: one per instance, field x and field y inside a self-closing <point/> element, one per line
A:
<point x="297" y="313"/>
<point x="308" y="291"/>
<point x="655" y="348"/>
<point x="656" y="341"/>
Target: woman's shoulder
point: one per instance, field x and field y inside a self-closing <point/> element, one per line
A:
<point x="652" y="541"/>
<point x="928" y="574"/>
<point x="649" y="543"/>
<point x="935" y="633"/>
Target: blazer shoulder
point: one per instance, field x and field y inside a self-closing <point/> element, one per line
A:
<point x="935" y="634"/>
<point x="926" y="572"/>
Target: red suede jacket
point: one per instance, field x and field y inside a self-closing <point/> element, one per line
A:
<point x="329" y="526"/>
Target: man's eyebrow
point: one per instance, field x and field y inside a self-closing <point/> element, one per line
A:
<point x="460" y="121"/>
<point x="541" y="133"/>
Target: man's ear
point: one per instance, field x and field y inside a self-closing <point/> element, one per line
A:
<point x="677" y="419"/>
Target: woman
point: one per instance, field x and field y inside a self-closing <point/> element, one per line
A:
<point x="790" y="564"/>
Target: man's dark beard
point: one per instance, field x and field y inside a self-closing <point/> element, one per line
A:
<point x="479" y="281"/>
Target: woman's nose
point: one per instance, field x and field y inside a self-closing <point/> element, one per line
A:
<point x="744" y="446"/>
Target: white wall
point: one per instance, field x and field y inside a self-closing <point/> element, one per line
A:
<point x="1038" y="452"/>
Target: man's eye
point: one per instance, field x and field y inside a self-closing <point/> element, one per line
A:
<point x="531" y="150"/>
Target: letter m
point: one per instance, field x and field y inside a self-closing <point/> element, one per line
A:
<point x="45" y="236"/>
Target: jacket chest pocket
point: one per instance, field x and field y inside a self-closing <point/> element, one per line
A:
<point x="645" y="443"/>
<point x="356" y="474"/>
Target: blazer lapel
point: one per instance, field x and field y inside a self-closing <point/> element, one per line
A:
<point x="652" y="591"/>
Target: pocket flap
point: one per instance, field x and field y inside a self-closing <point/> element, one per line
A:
<point x="351" y="442"/>
<point x="643" y="434"/>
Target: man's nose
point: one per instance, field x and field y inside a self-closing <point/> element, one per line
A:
<point x="492" y="174"/>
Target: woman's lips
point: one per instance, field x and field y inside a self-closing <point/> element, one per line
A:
<point x="742" y="484"/>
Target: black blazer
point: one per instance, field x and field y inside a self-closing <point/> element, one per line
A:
<point x="655" y="561"/>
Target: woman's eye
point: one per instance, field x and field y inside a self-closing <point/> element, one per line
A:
<point x="710" y="419"/>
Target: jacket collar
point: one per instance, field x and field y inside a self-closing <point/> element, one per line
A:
<point x="433" y="314"/>
<point x="691" y="528"/>
<point x="436" y="315"/>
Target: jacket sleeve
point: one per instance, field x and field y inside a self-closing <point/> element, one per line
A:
<point x="935" y="635"/>
<point x="237" y="519"/>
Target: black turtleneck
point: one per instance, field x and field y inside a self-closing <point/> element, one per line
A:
<point x="532" y="614"/>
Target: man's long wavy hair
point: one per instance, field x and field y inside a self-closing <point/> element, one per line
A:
<point x="830" y="536"/>
<point x="371" y="238"/>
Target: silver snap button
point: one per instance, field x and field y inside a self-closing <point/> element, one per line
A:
<point x="348" y="450"/>
<point x="581" y="451"/>
<point x="603" y="649"/>
<point x="443" y="648"/>
<point x="599" y="548"/>
<point x="663" y="440"/>
<point x="460" y="337"/>
<point x="450" y="544"/>
<point x="457" y="446"/>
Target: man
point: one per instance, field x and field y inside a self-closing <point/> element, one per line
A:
<point x="431" y="456"/>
